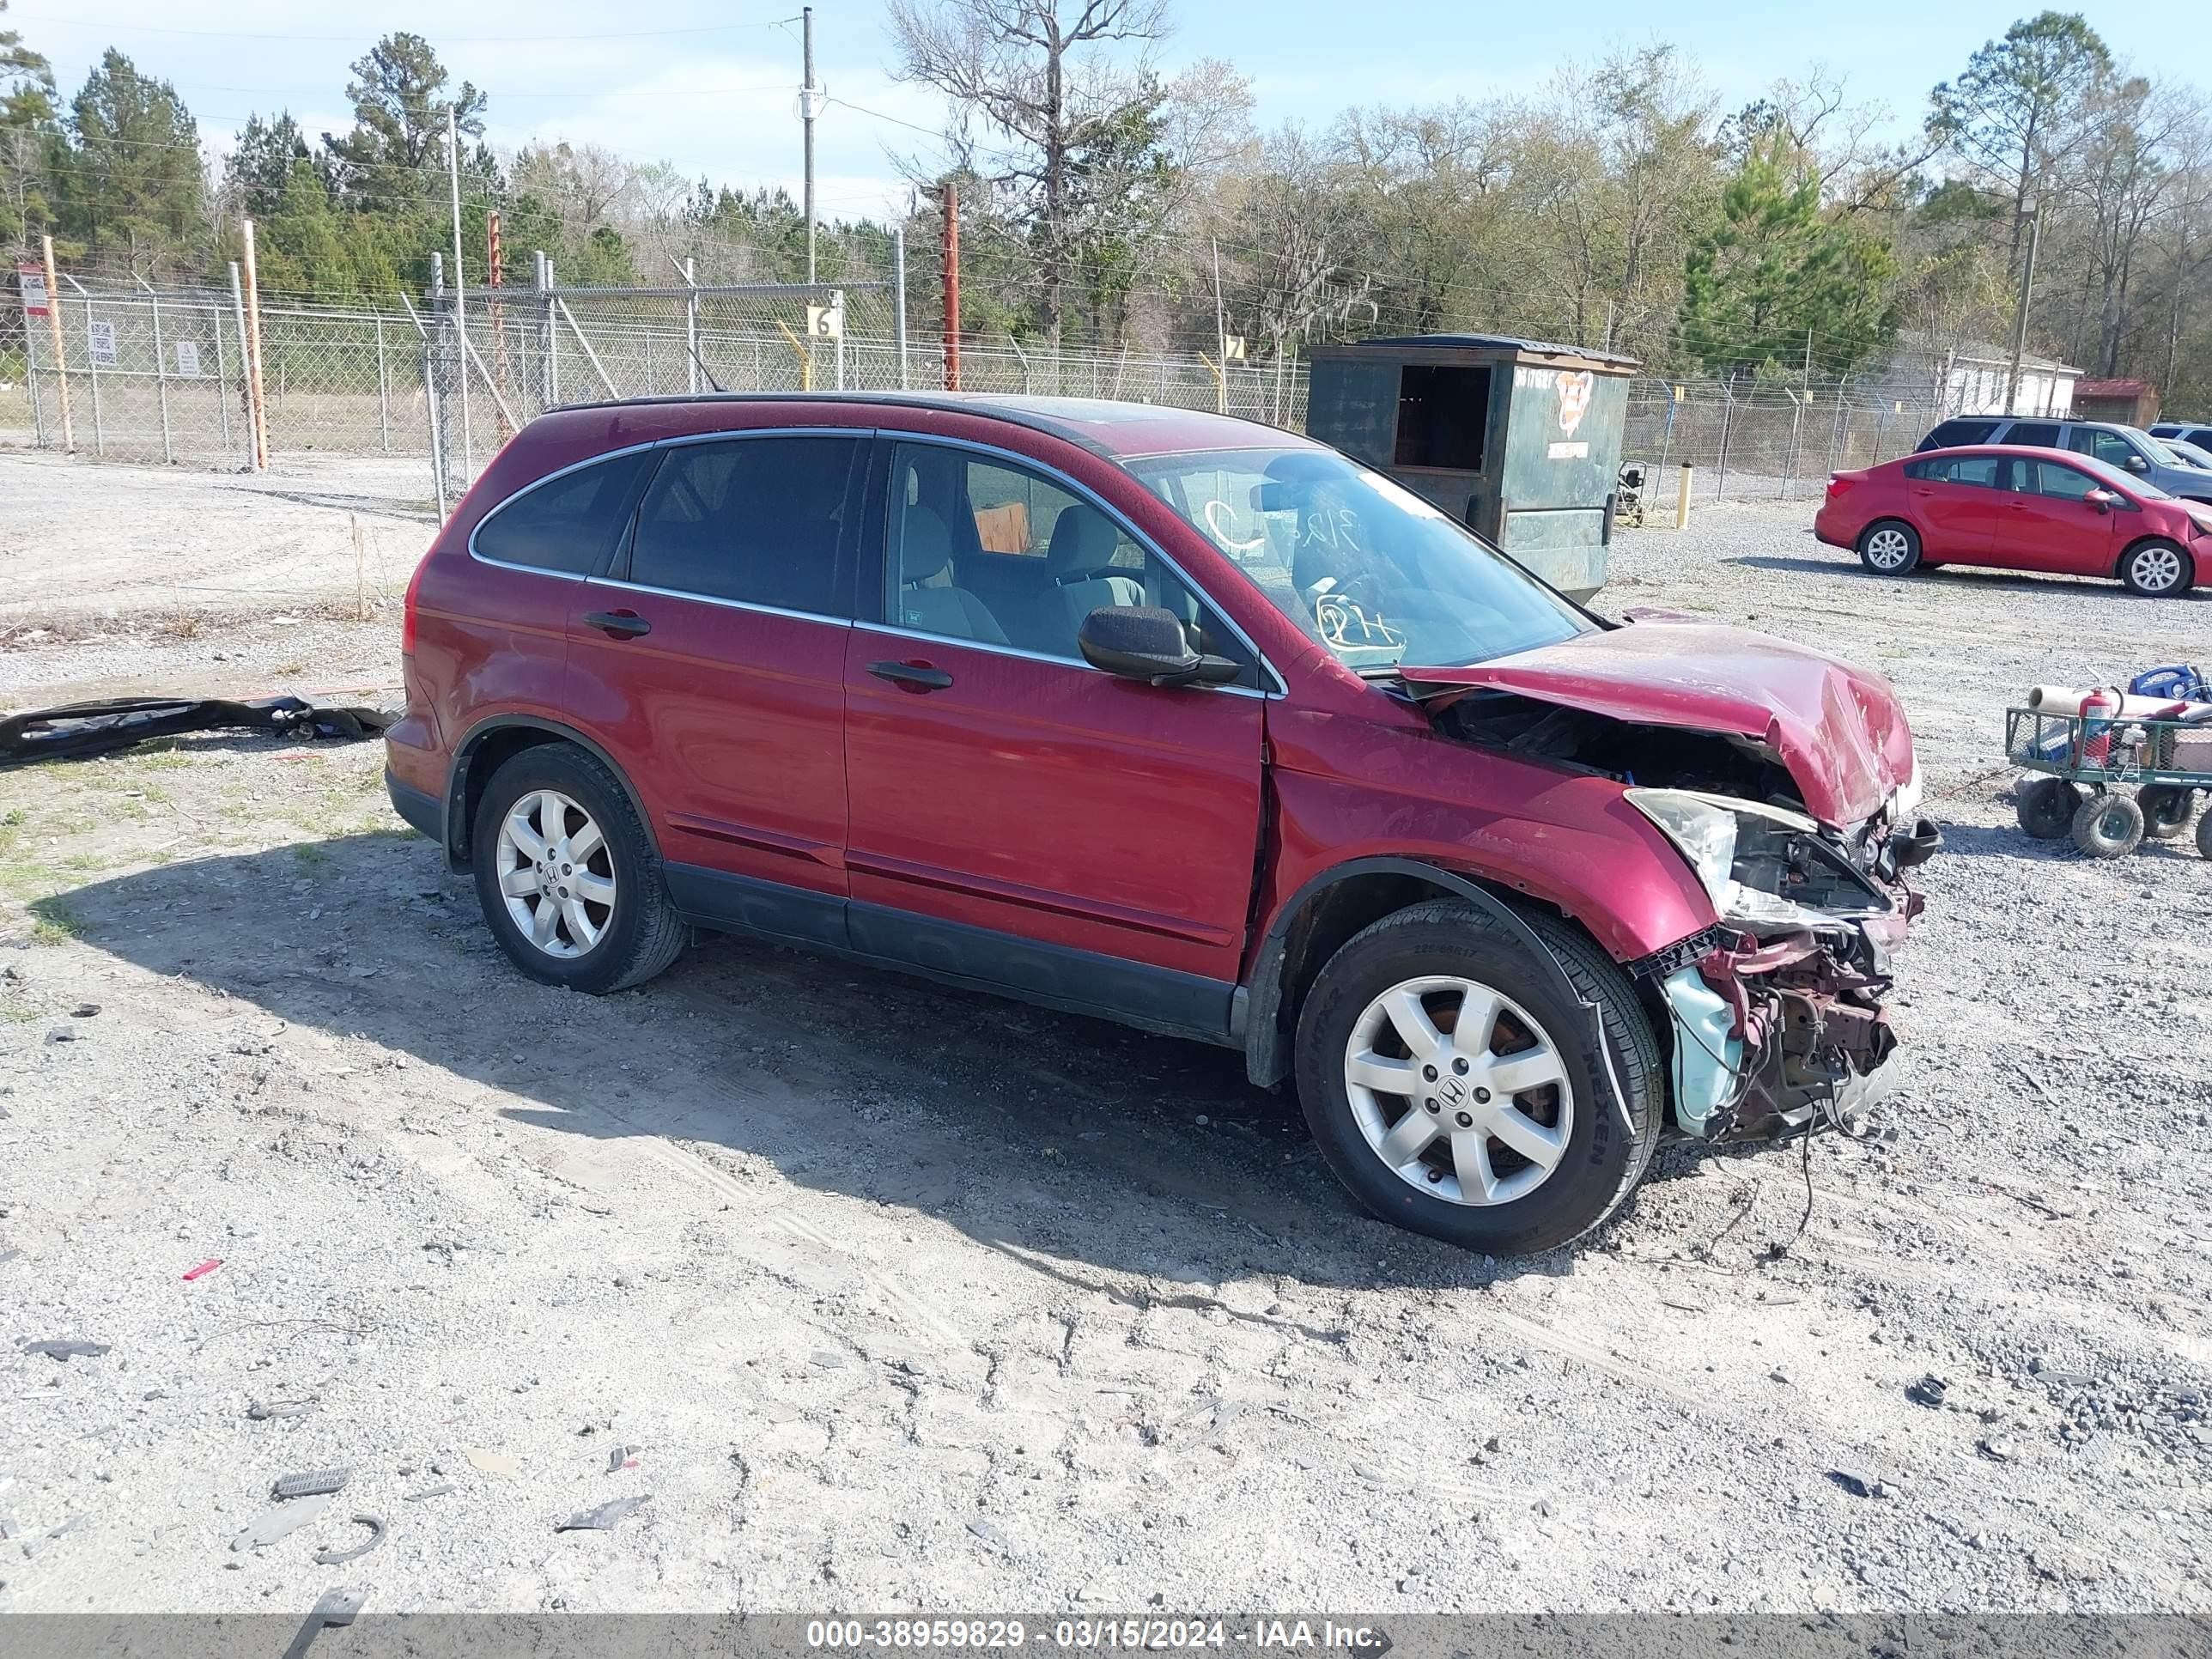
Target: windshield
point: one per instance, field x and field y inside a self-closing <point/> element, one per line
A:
<point x="1367" y="568"/>
<point x="2112" y="478"/>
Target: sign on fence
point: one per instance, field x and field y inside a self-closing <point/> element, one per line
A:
<point x="100" y="335"/>
<point x="825" y="322"/>
<point x="33" y="281"/>
<point x="188" y="359"/>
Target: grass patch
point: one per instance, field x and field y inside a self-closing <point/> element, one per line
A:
<point x="55" y="923"/>
<point x="309" y="854"/>
<point x="13" y="818"/>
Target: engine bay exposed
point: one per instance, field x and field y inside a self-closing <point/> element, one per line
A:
<point x="1672" y="755"/>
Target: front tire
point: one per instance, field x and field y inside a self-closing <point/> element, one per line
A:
<point x="569" y="882"/>
<point x="2108" y="826"/>
<point x="2166" y="808"/>
<point x="2157" y="570"/>
<point x="2045" y="807"/>
<point x="1889" y="547"/>
<point x="1508" y="1138"/>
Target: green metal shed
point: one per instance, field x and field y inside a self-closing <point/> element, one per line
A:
<point x="1517" y="439"/>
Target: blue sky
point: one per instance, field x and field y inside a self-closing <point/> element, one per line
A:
<point x="711" y="85"/>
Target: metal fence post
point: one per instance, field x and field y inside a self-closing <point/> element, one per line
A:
<point x="898" y="298"/>
<point x="161" y="376"/>
<point x="837" y="304"/>
<point x="552" y="345"/>
<point x="691" y="329"/>
<point x="1727" y="422"/>
<point x="221" y="373"/>
<point x="91" y="372"/>
<point x="383" y="392"/>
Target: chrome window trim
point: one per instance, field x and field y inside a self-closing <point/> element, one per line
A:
<point x="1059" y="480"/>
<point x="710" y="599"/>
<point x="1045" y="657"/>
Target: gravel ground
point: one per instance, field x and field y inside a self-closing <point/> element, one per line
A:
<point x="898" y="1297"/>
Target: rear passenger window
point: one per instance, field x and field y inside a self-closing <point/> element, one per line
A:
<point x="755" y="519"/>
<point x="1956" y="434"/>
<point x="2037" y="434"/>
<point x="568" y="524"/>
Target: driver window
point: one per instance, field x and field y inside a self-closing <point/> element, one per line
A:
<point x="2061" y="483"/>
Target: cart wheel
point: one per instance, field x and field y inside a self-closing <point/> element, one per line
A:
<point x="2204" y="834"/>
<point x="2108" y="826"/>
<point x="2166" y="808"/>
<point x="2047" y="806"/>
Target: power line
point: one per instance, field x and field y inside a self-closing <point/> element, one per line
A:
<point x="450" y="39"/>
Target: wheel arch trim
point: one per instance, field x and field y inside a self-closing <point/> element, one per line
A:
<point x="460" y="830"/>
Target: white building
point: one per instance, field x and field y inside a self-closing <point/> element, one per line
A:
<point x="1969" y="379"/>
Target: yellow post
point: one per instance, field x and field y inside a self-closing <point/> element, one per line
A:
<point x="1682" y="500"/>
<point x="1220" y="385"/>
<point x="805" y="357"/>
<point x="61" y="353"/>
<point x="257" y="400"/>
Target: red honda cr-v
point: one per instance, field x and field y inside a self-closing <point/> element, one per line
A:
<point x="1180" y="721"/>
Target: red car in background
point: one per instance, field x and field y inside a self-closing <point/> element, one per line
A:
<point x="2017" y="508"/>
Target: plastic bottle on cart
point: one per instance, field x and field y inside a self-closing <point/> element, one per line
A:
<point x="2098" y="711"/>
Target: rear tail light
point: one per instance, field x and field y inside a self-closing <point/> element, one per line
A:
<point x="407" y="609"/>
<point x="1837" y="484"/>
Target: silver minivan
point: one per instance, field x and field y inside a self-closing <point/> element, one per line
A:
<point x="2128" y="447"/>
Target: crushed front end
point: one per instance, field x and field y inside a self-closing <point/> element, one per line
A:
<point x="1777" y="1012"/>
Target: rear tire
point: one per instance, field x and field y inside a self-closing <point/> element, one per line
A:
<point x="2204" y="836"/>
<point x="1889" y="547"/>
<point x="1444" y="956"/>
<point x="569" y="882"/>
<point x="2166" y="808"/>
<point x="2108" y="826"/>
<point x="2157" y="569"/>
<point x="2045" y="807"/>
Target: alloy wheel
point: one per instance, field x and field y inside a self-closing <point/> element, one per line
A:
<point x="555" y="873"/>
<point x="1459" y="1090"/>
<point x="1888" y="550"/>
<point x="2157" y="569"/>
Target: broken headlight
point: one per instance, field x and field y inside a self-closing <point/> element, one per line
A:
<point x="1762" y="866"/>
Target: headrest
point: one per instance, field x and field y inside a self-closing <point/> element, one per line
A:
<point x="1083" y="541"/>
<point x="926" y="546"/>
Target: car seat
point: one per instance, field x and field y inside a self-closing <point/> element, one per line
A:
<point x="928" y="599"/>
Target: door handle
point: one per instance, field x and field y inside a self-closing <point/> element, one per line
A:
<point x="914" y="677"/>
<point x="618" y="624"/>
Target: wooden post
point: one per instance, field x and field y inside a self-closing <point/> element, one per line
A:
<point x="61" y="355"/>
<point x="1682" y="500"/>
<point x="951" y="286"/>
<point x="255" y="397"/>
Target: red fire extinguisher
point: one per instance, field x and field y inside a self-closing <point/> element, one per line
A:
<point x="2099" y="710"/>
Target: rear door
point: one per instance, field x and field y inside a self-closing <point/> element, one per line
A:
<point x="1955" y="503"/>
<point x="710" y="661"/>
<point x="1018" y="817"/>
<point x="2050" y="524"/>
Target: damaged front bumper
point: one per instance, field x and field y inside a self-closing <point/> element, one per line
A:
<point x="1782" y="1031"/>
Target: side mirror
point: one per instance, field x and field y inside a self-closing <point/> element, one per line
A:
<point x="2136" y="464"/>
<point x="2102" y="499"/>
<point x="1145" y="642"/>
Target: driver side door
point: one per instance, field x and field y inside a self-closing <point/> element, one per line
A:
<point x="1017" y="816"/>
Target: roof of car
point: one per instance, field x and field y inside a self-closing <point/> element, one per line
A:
<point x="1116" y="430"/>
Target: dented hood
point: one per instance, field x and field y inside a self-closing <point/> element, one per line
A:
<point x="1839" y="729"/>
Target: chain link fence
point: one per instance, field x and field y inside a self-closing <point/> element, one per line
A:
<point x="162" y="377"/>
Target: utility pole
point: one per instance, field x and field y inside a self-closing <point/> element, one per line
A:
<point x="810" y="105"/>
<point x="2027" y="289"/>
<point x="951" y="286"/>
<point x="460" y="307"/>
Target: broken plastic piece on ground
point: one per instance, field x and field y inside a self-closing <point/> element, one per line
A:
<point x="339" y="1557"/>
<point x="337" y="1607"/>
<point x="66" y="1349"/>
<point x="604" y="1518"/>
<point x="430" y="1493"/>
<point x="69" y="730"/>
<point x="204" y="1269"/>
<point x="621" y="1458"/>
<point x="505" y="1465"/>
<point x="311" y="1483"/>
<point x="281" y="1521"/>
<point x="262" y="1410"/>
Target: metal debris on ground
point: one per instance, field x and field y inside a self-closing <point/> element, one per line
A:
<point x="281" y="1521"/>
<point x="1859" y="1484"/>
<point x="312" y="1482"/>
<point x="604" y="1518"/>
<point x="621" y="1458"/>
<point x="73" y="731"/>
<point x="66" y="1349"/>
<point x="429" y="1493"/>
<point x="262" y="1410"/>
<point x="1928" y="1391"/>
<point x="339" y="1557"/>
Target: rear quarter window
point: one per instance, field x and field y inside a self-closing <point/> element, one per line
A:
<point x="567" y="523"/>
<point x="1953" y="435"/>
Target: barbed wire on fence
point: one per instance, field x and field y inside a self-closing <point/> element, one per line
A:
<point x="162" y="376"/>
